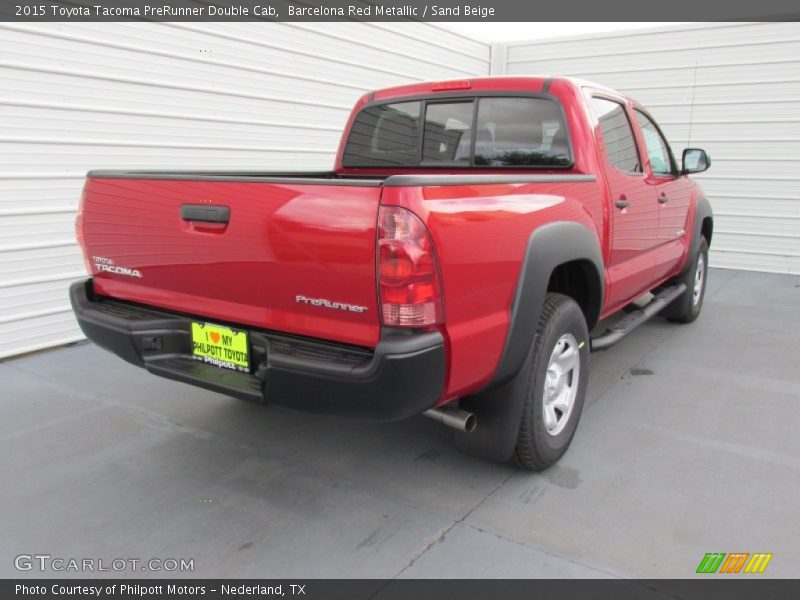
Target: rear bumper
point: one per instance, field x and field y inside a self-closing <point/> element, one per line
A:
<point x="403" y="376"/>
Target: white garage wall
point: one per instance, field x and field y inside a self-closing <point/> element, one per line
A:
<point x="190" y="96"/>
<point x="746" y="114"/>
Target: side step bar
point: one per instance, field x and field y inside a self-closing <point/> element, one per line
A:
<point x="633" y="319"/>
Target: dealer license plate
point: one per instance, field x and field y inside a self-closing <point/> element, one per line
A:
<point x="220" y="346"/>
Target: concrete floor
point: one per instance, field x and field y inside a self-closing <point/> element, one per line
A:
<point x="689" y="444"/>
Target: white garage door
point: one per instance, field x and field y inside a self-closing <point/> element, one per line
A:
<point x="736" y="87"/>
<point x="176" y="96"/>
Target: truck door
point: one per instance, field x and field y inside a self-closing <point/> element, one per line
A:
<point x="634" y="210"/>
<point x="674" y="193"/>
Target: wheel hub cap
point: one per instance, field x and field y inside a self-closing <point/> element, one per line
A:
<point x="561" y="383"/>
<point x="698" y="279"/>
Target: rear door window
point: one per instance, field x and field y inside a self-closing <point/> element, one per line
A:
<point x="617" y="135"/>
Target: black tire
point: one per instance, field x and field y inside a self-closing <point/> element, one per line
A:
<point x="539" y="445"/>
<point x="686" y="307"/>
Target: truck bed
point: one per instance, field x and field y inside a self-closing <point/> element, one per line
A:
<point x="304" y="177"/>
<point x="418" y="178"/>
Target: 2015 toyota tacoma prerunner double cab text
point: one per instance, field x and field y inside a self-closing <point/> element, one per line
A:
<point x="474" y="241"/>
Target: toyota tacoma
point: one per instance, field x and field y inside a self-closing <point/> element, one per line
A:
<point x="475" y="240"/>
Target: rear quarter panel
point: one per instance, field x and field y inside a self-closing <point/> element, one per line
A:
<point x="481" y="235"/>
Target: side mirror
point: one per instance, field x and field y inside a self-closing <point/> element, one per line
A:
<point x="695" y="160"/>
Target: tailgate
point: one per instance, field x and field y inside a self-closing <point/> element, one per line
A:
<point x="291" y="257"/>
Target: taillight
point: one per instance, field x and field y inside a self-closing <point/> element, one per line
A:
<point x="408" y="273"/>
<point x="79" y="234"/>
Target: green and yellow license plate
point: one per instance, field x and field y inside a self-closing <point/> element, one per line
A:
<point x="220" y="346"/>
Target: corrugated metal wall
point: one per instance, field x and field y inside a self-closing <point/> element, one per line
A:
<point x="252" y="96"/>
<point x="745" y="82"/>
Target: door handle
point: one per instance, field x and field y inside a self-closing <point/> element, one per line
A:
<point x="205" y="213"/>
<point x="663" y="199"/>
<point x="622" y="202"/>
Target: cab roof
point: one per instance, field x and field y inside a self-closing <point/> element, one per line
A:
<point x="532" y="83"/>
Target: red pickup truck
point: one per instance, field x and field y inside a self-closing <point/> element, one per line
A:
<point x="469" y="238"/>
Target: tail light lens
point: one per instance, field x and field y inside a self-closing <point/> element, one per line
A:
<point x="408" y="273"/>
<point x="79" y="234"/>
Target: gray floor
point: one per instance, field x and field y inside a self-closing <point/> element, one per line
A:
<point x="689" y="444"/>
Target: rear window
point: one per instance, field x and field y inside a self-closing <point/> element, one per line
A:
<point x="505" y="132"/>
<point x="386" y="135"/>
<point x="448" y="133"/>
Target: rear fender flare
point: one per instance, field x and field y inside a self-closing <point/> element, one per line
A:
<point x="548" y="247"/>
<point x="499" y="407"/>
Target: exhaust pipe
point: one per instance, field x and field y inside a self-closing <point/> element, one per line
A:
<point x="454" y="417"/>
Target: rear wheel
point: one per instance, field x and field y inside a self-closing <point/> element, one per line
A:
<point x="556" y="389"/>
<point x="686" y="307"/>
